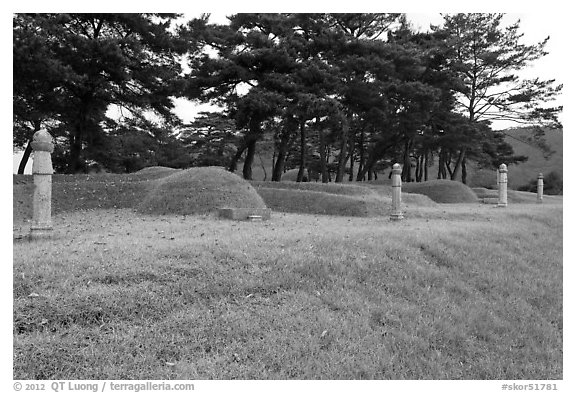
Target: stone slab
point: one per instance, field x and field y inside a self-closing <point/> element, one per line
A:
<point x="490" y="201"/>
<point x="237" y="213"/>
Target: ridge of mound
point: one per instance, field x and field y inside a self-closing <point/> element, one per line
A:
<point x="153" y="173"/>
<point x="199" y="191"/>
<point x="442" y="191"/>
<point x="156" y="169"/>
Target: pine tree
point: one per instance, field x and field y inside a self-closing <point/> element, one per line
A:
<point x="487" y="57"/>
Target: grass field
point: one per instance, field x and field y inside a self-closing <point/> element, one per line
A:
<point x="459" y="291"/>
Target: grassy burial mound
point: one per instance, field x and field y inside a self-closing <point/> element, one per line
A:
<point x="314" y="202"/>
<point x="488" y="195"/>
<point x="292" y="175"/>
<point x="321" y="198"/>
<point x="408" y="199"/>
<point x="365" y="200"/>
<point x="156" y="190"/>
<point x="75" y="192"/>
<point x="199" y="191"/>
<point x="85" y="192"/>
<point x="442" y="191"/>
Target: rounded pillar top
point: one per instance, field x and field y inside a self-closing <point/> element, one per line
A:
<point x="396" y="168"/>
<point x="540" y="176"/>
<point x="42" y="141"/>
<point x="503" y="168"/>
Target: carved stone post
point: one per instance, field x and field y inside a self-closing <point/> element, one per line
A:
<point x="396" y="193"/>
<point x="42" y="170"/>
<point x="503" y="186"/>
<point x="540" y="188"/>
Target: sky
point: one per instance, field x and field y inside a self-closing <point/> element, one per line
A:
<point x="535" y="25"/>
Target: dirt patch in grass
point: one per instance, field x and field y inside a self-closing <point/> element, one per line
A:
<point x="200" y="191"/>
<point x="442" y="191"/>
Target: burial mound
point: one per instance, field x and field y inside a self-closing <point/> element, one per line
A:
<point x="442" y="191"/>
<point x="199" y="191"/>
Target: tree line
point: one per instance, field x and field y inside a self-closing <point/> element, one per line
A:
<point x="335" y="95"/>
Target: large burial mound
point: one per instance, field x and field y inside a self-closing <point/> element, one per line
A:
<point x="200" y="191"/>
<point x="442" y="191"/>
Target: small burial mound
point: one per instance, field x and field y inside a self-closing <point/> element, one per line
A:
<point x="316" y="202"/>
<point x="491" y="196"/>
<point x="442" y="191"/>
<point x="199" y="191"/>
<point x="292" y="175"/>
<point x="360" y="200"/>
<point x="154" y="172"/>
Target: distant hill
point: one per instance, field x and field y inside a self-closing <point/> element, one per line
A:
<point x="521" y="174"/>
<point x="523" y="144"/>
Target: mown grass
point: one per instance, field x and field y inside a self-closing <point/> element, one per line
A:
<point x="457" y="292"/>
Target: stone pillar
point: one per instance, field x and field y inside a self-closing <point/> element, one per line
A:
<point x="42" y="170"/>
<point x="396" y="193"/>
<point x="540" y="188"/>
<point x="503" y="186"/>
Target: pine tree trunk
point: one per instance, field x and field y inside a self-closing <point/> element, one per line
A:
<point x="234" y="162"/>
<point x="25" y="157"/>
<point x="343" y="156"/>
<point x="251" y="138"/>
<point x="361" y="158"/>
<point x="464" y="172"/>
<point x="263" y="167"/>
<point x="450" y="172"/>
<point x="441" y="165"/>
<point x="406" y="168"/>
<point x="302" y="151"/>
<point x="426" y="166"/>
<point x="322" y="147"/>
<point x="281" y="159"/>
<point x="419" y="169"/>
<point x="351" y="142"/>
<point x="251" y="150"/>
<point x="75" y="164"/>
<point x="458" y="165"/>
